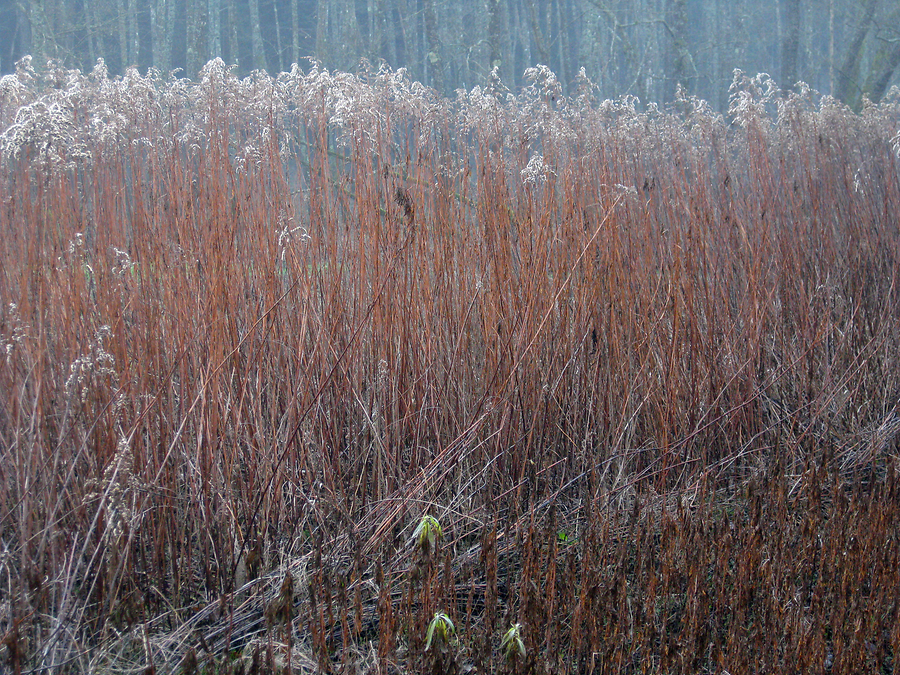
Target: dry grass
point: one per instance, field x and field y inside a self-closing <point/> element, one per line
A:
<point x="641" y="365"/>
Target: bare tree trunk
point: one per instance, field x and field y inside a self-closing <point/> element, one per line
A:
<point x="40" y="32"/>
<point x="321" y="28"/>
<point x="121" y="12"/>
<point x="888" y="66"/>
<point x="515" y="41"/>
<point x="558" y="62"/>
<point x="831" y="46"/>
<point x="570" y="40"/>
<point x="131" y="9"/>
<point x="653" y="65"/>
<point x="849" y="88"/>
<point x="739" y="37"/>
<point x="214" y="40"/>
<point x="162" y="36"/>
<point x="258" y="53"/>
<point x="399" y="22"/>
<point x="885" y="62"/>
<point x="624" y="73"/>
<point x="279" y="46"/>
<point x="192" y="59"/>
<point x="543" y="54"/>
<point x="295" y="31"/>
<point x="790" y="46"/>
<point x="361" y="9"/>
<point x="240" y="49"/>
<point x="144" y="30"/>
<point x="681" y="62"/>
<point x="380" y="43"/>
<point x="495" y="26"/>
<point x="434" y="58"/>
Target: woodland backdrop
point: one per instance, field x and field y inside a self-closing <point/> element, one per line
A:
<point x="647" y="48"/>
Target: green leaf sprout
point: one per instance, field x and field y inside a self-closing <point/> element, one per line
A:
<point x="512" y="645"/>
<point x="440" y="632"/>
<point x="427" y="534"/>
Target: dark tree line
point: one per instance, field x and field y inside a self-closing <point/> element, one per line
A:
<point x="648" y="48"/>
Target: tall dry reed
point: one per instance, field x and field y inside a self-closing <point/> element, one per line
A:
<point x="640" y="363"/>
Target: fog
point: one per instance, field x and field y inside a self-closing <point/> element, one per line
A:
<point x="656" y="50"/>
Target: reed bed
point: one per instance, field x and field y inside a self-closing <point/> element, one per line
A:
<point x="640" y="364"/>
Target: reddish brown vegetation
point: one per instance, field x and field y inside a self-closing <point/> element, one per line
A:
<point x="641" y="366"/>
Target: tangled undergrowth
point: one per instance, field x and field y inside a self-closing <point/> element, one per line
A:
<point x="323" y="372"/>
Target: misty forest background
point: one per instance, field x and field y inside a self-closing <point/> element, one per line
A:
<point x="846" y="48"/>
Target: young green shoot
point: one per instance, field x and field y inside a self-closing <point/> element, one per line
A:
<point x="512" y="645"/>
<point x="440" y="632"/>
<point x="427" y="534"/>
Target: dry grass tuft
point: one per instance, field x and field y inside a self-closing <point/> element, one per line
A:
<point x="639" y="365"/>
